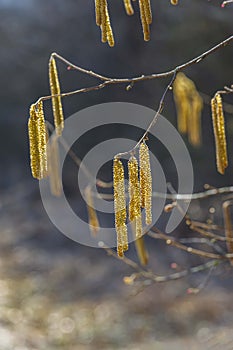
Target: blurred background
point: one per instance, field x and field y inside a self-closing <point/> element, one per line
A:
<point x="54" y="293"/>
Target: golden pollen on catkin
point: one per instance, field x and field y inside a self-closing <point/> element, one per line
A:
<point x="219" y="133"/>
<point x="98" y="12"/>
<point x="55" y="180"/>
<point x="147" y="9"/>
<point x="42" y="140"/>
<point x="189" y="105"/>
<point x="37" y="141"/>
<point x="56" y="98"/>
<point x="128" y="7"/>
<point x="134" y="196"/>
<point x="120" y="206"/>
<point x="145" y="24"/>
<point x="145" y="181"/>
<point x="194" y="125"/>
<point x="92" y="215"/>
<point x="33" y="134"/>
<point x="105" y="24"/>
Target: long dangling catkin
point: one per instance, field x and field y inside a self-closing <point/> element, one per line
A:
<point x="128" y="7"/>
<point x="92" y="215"/>
<point x="147" y="9"/>
<point x="134" y="196"/>
<point x="145" y="181"/>
<point x="54" y="166"/>
<point x="228" y="227"/>
<point x="56" y="100"/>
<point x="103" y="20"/>
<point x="120" y="207"/>
<point x="42" y="140"/>
<point x="33" y="133"/>
<point x="145" y="24"/>
<point x="181" y="98"/>
<point x="219" y="133"/>
<point x="37" y="141"/>
<point x="194" y="125"/>
<point x="189" y="105"/>
<point x="98" y="12"/>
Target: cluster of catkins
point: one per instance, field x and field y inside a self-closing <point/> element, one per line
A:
<point x="140" y="196"/>
<point x="103" y="18"/>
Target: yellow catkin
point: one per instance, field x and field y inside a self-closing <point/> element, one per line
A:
<point x="147" y="9"/>
<point x="174" y="2"/>
<point x="219" y="133"/>
<point x="120" y="207"/>
<point x="134" y="197"/>
<point x="128" y="7"/>
<point x="228" y="226"/>
<point x="98" y="12"/>
<point x="194" y="126"/>
<point x="33" y="134"/>
<point x="54" y="166"/>
<point x="42" y="140"/>
<point x="37" y="141"/>
<point x="105" y="24"/>
<point x="56" y="100"/>
<point x="189" y="105"/>
<point x="145" y="181"/>
<point x="145" y="24"/>
<point x="92" y="215"/>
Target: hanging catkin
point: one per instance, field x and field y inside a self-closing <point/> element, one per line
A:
<point x="194" y="125"/>
<point x="33" y="133"/>
<point x="141" y="251"/>
<point x="37" y="141"/>
<point x="134" y="196"/>
<point x="92" y="215"/>
<point x="120" y="207"/>
<point x="54" y="166"/>
<point x="219" y="133"/>
<point x="144" y="20"/>
<point x="103" y="21"/>
<point x="128" y="7"/>
<point x="189" y="105"/>
<point x="56" y="98"/>
<point x="145" y="181"/>
<point x="228" y="225"/>
<point x="42" y="140"/>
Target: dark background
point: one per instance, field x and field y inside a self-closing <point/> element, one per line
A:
<point x="54" y="293"/>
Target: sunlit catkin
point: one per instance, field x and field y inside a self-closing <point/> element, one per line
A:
<point x="33" y="133"/>
<point x="134" y="196"/>
<point x="145" y="181"/>
<point x="103" y="20"/>
<point x="147" y="9"/>
<point x="42" y="140"/>
<point x="194" y="125"/>
<point x="228" y="225"/>
<point x="180" y="93"/>
<point x="120" y="207"/>
<point x="189" y="105"/>
<point x="56" y="98"/>
<point x="128" y="7"/>
<point x="98" y="12"/>
<point x="37" y="141"/>
<point x="92" y="215"/>
<point x="55" y="180"/>
<point x="144" y="20"/>
<point x="219" y="133"/>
